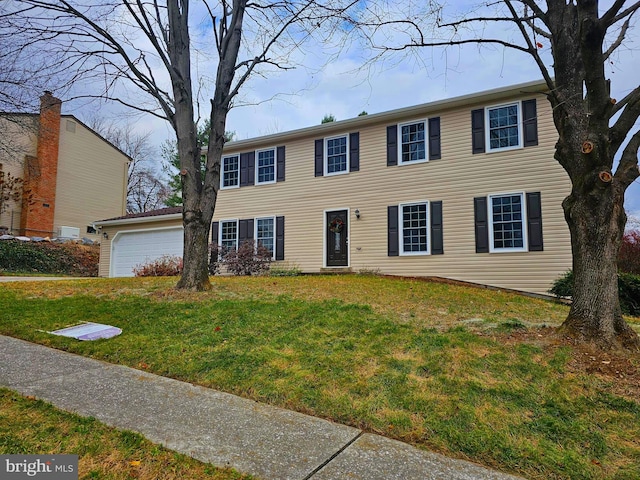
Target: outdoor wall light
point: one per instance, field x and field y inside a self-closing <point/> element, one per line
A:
<point x="357" y="212"/>
<point x="105" y="235"/>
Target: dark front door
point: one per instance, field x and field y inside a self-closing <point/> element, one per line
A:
<point x="336" y="231"/>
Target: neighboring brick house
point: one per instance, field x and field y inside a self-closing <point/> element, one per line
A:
<point x="464" y="188"/>
<point x="72" y="174"/>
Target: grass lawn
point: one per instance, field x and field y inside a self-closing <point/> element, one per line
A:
<point x="30" y="426"/>
<point x="471" y="373"/>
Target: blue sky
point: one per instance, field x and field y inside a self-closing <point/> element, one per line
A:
<point x="342" y="86"/>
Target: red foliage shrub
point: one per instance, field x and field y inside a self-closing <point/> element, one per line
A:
<point x="248" y="259"/>
<point x="165" y="266"/>
<point x="629" y="254"/>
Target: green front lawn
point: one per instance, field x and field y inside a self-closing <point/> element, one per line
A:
<point x="458" y="370"/>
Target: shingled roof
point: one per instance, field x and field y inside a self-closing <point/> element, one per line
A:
<point x="150" y="213"/>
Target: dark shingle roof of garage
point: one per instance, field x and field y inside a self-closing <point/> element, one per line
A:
<point x="151" y="213"/>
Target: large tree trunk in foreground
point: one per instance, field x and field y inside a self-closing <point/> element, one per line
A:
<point x="582" y="113"/>
<point x="596" y="223"/>
<point x="195" y="274"/>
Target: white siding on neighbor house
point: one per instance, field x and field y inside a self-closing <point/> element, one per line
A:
<point x="455" y="179"/>
<point x="134" y="248"/>
<point x="92" y="177"/>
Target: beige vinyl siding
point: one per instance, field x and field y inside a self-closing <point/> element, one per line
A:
<point x="455" y="179"/>
<point x="91" y="179"/>
<point x="111" y="230"/>
<point x="20" y="141"/>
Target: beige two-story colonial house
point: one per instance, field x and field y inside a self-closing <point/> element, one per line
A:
<point x="465" y="188"/>
<point x="71" y="174"/>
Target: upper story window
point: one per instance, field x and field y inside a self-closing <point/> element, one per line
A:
<point x="507" y="231"/>
<point x="266" y="233"/>
<point x="229" y="234"/>
<point x="337" y="155"/>
<point x="337" y="160"/>
<point x="414" y="227"/>
<point x="412" y="142"/>
<point x="230" y="176"/>
<point x="504" y="127"/>
<point x="266" y="166"/>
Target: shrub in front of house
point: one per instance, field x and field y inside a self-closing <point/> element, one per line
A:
<point x="44" y="257"/>
<point x="165" y="266"/>
<point x="628" y="290"/>
<point x="248" y="259"/>
<point x="629" y="254"/>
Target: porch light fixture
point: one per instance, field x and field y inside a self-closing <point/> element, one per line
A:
<point x="105" y="235"/>
<point x="357" y="212"/>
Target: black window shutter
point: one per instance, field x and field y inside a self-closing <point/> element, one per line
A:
<point x="280" y="164"/>
<point x="279" y="238"/>
<point x="393" y="247"/>
<point x="530" y="122"/>
<point x="319" y="157"/>
<point x="392" y="145"/>
<point x="244" y="160"/>
<point x="477" y="130"/>
<point x="534" y="222"/>
<point x="251" y="167"/>
<point x="354" y="152"/>
<point x="247" y="168"/>
<point x="434" y="139"/>
<point x="482" y="224"/>
<point x="245" y="231"/>
<point x="215" y="228"/>
<point x="437" y="247"/>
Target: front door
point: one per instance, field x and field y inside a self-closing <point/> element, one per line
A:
<point x="336" y="232"/>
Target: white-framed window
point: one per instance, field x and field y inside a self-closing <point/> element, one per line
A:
<point x="230" y="175"/>
<point x="229" y="234"/>
<point x="412" y="142"/>
<point x="503" y="127"/>
<point x="336" y="155"/>
<point x="413" y="228"/>
<point x="507" y="229"/>
<point x="266" y="166"/>
<point x="265" y="233"/>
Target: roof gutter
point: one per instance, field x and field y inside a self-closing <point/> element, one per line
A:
<point x="135" y="220"/>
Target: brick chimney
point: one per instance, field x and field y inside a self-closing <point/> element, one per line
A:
<point x="40" y="173"/>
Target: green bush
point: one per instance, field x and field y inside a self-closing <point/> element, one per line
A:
<point x="44" y="257"/>
<point x="628" y="291"/>
<point x="563" y="286"/>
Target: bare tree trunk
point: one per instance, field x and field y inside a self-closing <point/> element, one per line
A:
<point x="596" y="221"/>
<point x="195" y="275"/>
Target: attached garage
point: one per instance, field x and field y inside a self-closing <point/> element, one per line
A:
<point x="139" y="238"/>
<point x="133" y="248"/>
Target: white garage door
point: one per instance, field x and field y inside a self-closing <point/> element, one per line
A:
<point x="130" y="249"/>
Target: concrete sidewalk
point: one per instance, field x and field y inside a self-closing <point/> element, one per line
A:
<point x="267" y="442"/>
